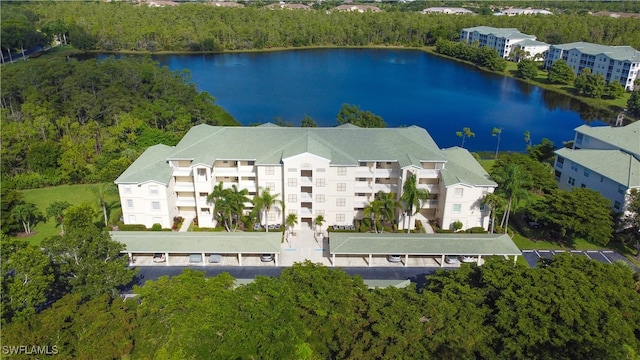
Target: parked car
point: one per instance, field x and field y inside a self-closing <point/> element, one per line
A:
<point x="159" y="257"/>
<point x="257" y="227"/>
<point x="215" y="258"/>
<point x="451" y="259"/>
<point x="394" y="258"/>
<point x="468" y="259"/>
<point x="266" y="257"/>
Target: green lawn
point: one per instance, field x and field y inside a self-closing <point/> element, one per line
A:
<point x="74" y="194"/>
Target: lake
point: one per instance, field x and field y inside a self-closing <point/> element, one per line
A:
<point x="405" y="87"/>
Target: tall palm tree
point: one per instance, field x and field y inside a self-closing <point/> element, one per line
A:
<point x="263" y="202"/>
<point x="389" y="206"/>
<point x="291" y="221"/>
<point x="513" y="183"/>
<point x="56" y="210"/>
<point x="412" y="197"/>
<point x="101" y="190"/>
<point x="319" y="221"/>
<point x="373" y="210"/>
<point x="218" y="194"/>
<point x="495" y="203"/>
<point x="237" y="200"/>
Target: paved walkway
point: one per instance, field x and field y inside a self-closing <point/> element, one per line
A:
<point x="305" y="245"/>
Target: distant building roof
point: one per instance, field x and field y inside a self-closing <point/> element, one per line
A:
<point x="515" y="11"/>
<point x="620" y="53"/>
<point x="616" y="14"/>
<point x="531" y="42"/>
<point x="509" y="33"/>
<point x="624" y="137"/>
<point x="616" y="165"/>
<point x="225" y="4"/>
<point x="283" y="5"/>
<point x="358" y="8"/>
<point x="447" y="10"/>
<point x="421" y="244"/>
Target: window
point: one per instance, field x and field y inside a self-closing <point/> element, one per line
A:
<point x="202" y="174"/>
<point x="153" y="189"/>
<point x="458" y="193"/>
<point x="559" y="162"/>
<point x="616" y="205"/>
<point x="292" y="198"/>
<point x="579" y="138"/>
<point x="363" y="163"/>
<point x="271" y="186"/>
<point x="132" y="219"/>
<point x="339" y="217"/>
<point x="203" y="196"/>
<point x="571" y="181"/>
<point x="292" y="182"/>
<point x="583" y="185"/>
<point x="205" y="211"/>
<point x="621" y="189"/>
<point x="342" y="171"/>
<point x="319" y="212"/>
<point x="269" y="170"/>
<point x="457" y="208"/>
<point x="340" y="201"/>
<point x="251" y="162"/>
<point x="127" y="189"/>
<point x="320" y="182"/>
<point x="155" y="205"/>
<point x="320" y="169"/>
<point x="320" y="198"/>
<point x="574" y="167"/>
<point x="130" y="203"/>
<point x="586" y="172"/>
<point x="342" y="187"/>
<point x="482" y="207"/>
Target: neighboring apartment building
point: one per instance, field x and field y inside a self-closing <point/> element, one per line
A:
<point x="448" y="10"/>
<point x="605" y="159"/>
<point x="333" y="172"/>
<point x="503" y="40"/>
<point x="358" y="8"/>
<point x="529" y="11"/>
<point x="615" y="63"/>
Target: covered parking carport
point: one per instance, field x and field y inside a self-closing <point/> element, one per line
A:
<point x="203" y="243"/>
<point x="432" y="245"/>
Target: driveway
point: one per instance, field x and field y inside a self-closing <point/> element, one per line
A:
<point x="603" y="256"/>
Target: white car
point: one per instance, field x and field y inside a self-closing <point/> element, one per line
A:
<point x="266" y="257"/>
<point x="394" y="258"/>
<point x="158" y="257"/>
<point x="468" y="259"/>
<point x="451" y="260"/>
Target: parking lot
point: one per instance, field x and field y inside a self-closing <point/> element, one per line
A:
<point x="603" y="256"/>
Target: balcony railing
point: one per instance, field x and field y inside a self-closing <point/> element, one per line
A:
<point x="306" y="197"/>
<point x="384" y="187"/>
<point x="183" y="186"/>
<point x="306" y="211"/>
<point x="185" y="201"/>
<point x="182" y="171"/>
<point x="431" y="188"/>
<point x="306" y="180"/>
<point x="387" y="173"/>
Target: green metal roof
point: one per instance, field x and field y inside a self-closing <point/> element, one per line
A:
<point x="150" y="166"/>
<point x="421" y="244"/>
<point x="508" y="33"/>
<point x="199" y="242"/>
<point x="625" y="137"/>
<point x="614" y="164"/>
<point x="371" y="283"/>
<point x="620" y="53"/>
<point x="344" y="145"/>
<point x="462" y="168"/>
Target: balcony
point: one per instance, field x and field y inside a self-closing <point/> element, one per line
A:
<point x="247" y="184"/>
<point x="183" y="186"/>
<point x="429" y="204"/>
<point x="225" y="171"/>
<point x="182" y="171"/>
<point x="428" y="173"/>
<point x="384" y="187"/>
<point x="363" y="187"/>
<point x="247" y="170"/>
<point x="363" y="171"/>
<point x="387" y="173"/>
<point x="308" y="180"/>
<point x="305" y="211"/>
<point x="185" y="201"/>
<point x="306" y="197"/>
<point x="431" y="188"/>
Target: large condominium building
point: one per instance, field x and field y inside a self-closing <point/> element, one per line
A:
<point x="333" y="172"/>
<point x="615" y="63"/>
<point x="605" y="159"/>
<point x="504" y="40"/>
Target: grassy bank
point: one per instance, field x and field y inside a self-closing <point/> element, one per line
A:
<point x="74" y="194"/>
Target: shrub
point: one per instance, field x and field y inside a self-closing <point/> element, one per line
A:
<point x="476" y="230"/>
<point x="156" y="227"/>
<point x="132" y="227"/>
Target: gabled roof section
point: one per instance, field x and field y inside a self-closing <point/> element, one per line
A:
<point x="150" y="166"/>
<point x="268" y="124"/>
<point x="614" y="164"/>
<point x="620" y="53"/>
<point x="462" y="168"/>
<point x="348" y="126"/>
<point x="343" y="145"/>
<point x="507" y="33"/>
<point x="626" y="138"/>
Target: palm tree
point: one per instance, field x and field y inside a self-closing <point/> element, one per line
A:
<point x="389" y="206"/>
<point x="412" y="197"/>
<point x="223" y="209"/>
<point x="218" y="194"/>
<point x="237" y="199"/>
<point x="264" y="201"/>
<point x="465" y="133"/>
<point x="512" y="185"/>
<point x="497" y="132"/>
<point x="319" y="221"/>
<point x="291" y="221"/>
<point x="56" y="210"/>
<point x="495" y="203"/>
<point x="373" y="210"/>
<point x="101" y="190"/>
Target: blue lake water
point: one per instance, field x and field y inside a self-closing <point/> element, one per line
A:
<point x="405" y="87"/>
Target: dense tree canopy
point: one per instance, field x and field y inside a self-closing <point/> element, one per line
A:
<point x="351" y="114"/>
<point x="84" y="121"/>
<point x="568" y="308"/>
